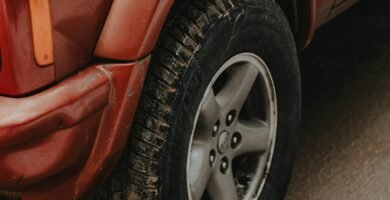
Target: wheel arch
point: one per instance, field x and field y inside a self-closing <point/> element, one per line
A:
<point x="135" y="22"/>
<point x="143" y="34"/>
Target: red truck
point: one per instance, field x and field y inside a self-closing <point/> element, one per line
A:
<point x="157" y="99"/>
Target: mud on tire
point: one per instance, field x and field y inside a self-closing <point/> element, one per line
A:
<point x="197" y="39"/>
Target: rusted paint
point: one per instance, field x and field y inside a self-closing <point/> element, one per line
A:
<point x="42" y="31"/>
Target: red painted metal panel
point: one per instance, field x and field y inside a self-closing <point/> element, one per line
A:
<point x="76" y="29"/>
<point x="19" y="72"/>
<point x="132" y="28"/>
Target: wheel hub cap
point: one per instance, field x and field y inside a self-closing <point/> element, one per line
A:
<point x="234" y="132"/>
<point x="224" y="142"/>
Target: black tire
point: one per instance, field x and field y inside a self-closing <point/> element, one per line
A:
<point x="199" y="39"/>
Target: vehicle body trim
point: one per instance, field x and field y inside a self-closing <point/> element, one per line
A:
<point x="68" y="138"/>
<point x="42" y="31"/>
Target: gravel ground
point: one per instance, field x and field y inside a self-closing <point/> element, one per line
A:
<point x="344" y="151"/>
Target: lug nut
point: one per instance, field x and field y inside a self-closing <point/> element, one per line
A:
<point x="236" y="139"/>
<point x="224" y="165"/>
<point x="216" y="128"/>
<point x="212" y="157"/>
<point x="230" y="117"/>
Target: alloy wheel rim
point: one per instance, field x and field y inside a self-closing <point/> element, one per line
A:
<point x="228" y="134"/>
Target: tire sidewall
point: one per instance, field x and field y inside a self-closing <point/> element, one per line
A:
<point x="255" y="27"/>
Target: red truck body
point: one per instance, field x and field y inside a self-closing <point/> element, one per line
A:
<point x="71" y="75"/>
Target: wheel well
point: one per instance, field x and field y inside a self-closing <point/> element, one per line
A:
<point x="289" y="7"/>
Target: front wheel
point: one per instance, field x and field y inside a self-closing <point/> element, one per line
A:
<point x="220" y="109"/>
<point x="232" y="144"/>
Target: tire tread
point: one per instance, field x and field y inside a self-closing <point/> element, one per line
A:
<point x="178" y="43"/>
